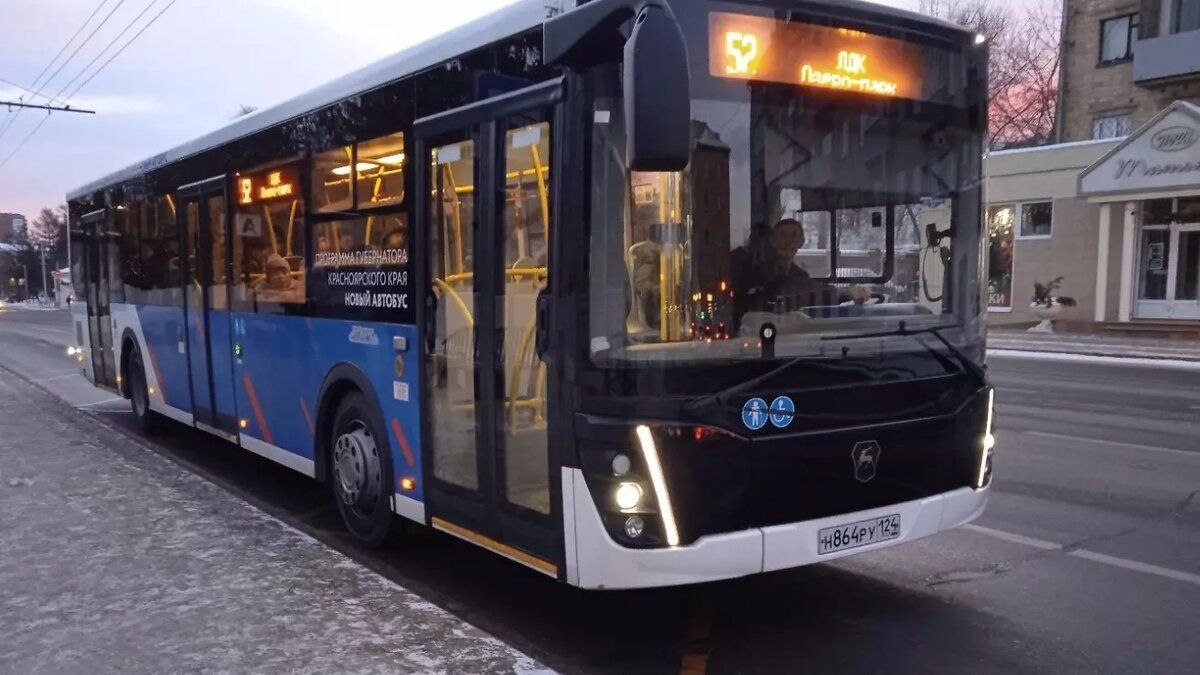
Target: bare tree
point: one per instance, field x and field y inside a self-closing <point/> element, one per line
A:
<point x="49" y="227"/>
<point x="1025" y="55"/>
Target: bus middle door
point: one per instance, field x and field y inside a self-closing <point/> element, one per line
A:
<point x="206" y="249"/>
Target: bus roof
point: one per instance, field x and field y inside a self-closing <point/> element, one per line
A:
<point x="514" y="18"/>
<point x="509" y="20"/>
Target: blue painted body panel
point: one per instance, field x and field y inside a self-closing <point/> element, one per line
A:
<point x="163" y="329"/>
<point x="285" y="361"/>
<point x="199" y="364"/>
<point x="220" y="332"/>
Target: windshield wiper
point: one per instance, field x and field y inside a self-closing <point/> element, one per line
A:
<point x="967" y="363"/>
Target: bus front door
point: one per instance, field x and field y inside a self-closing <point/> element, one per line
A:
<point x="484" y="260"/>
<point x="206" y="247"/>
<point x="99" y="247"/>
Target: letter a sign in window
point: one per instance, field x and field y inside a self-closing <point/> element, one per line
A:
<point x="249" y="225"/>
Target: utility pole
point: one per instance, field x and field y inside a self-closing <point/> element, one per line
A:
<point x="56" y="108"/>
<point x="45" y="281"/>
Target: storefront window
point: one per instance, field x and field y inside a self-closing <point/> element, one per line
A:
<point x="1000" y="256"/>
<point x="1036" y="218"/>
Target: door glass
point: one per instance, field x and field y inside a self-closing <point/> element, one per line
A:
<point x="218" y="297"/>
<point x="453" y="385"/>
<point x="1156" y="251"/>
<point x="524" y="250"/>
<point x="1187" y="278"/>
<point x="192" y="225"/>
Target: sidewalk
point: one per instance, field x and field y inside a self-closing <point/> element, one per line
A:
<point x="114" y="559"/>
<point x="1094" y="345"/>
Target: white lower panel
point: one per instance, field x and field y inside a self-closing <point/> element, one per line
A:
<point x="173" y="413"/>
<point x="408" y="507"/>
<point x="278" y="455"/>
<point x="601" y="563"/>
<point x="595" y="561"/>
<point x="795" y="544"/>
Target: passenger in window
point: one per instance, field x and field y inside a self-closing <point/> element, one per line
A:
<point x="323" y="245"/>
<point x="278" y="284"/>
<point x="396" y="239"/>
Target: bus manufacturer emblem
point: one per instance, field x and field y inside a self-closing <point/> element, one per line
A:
<point x="866" y="460"/>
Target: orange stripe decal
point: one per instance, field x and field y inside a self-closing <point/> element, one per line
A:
<point x="307" y="418"/>
<point x="400" y="438"/>
<point x="258" y="413"/>
<point x="157" y="373"/>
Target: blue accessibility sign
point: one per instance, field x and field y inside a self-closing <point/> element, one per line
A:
<point x="754" y="414"/>
<point x="783" y="410"/>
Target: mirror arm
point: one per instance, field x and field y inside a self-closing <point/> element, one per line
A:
<point x="575" y="38"/>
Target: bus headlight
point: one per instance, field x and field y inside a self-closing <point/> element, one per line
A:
<point x="628" y="496"/>
<point x="987" y="444"/>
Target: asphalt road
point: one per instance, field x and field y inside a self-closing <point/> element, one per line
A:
<point x="1087" y="560"/>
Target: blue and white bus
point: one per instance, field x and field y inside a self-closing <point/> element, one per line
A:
<point x="632" y="292"/>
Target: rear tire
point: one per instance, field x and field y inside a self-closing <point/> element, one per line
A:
<point x="360" y="471"/>
<point x="139" y="395"/>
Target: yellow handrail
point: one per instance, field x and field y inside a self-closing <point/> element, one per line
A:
<point x="458" y="301"/>
<point x="542" y="193"/>
<point x="291" y="225"/>
<point x="271" y="229"/>
<point x="514" y="388"/>
<point x="517" y="273"/>
<point x="458" y="240"/>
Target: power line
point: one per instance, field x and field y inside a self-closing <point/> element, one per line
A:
<point x="107" y="46"/>
<point x="89" y="79"/>
<point x="118" y="52"/>
<point x="27" y="89"/>
<point x="80" y="46"/>
<point x="79" y="30"/>
<point x="85" y="41"/>
<point x="24" y="141"/>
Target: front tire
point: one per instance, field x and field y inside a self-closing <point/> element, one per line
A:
<point x="361" y="472"/>
<point x="139" y="395"/>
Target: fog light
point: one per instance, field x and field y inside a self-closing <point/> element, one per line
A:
<point x="71" y="351"/>
<point x="243" y="423"/>
<point x="621" y="465"/>
<point x="628" y="495"/>
<point x="634" y="526"/>
<point x="408" y="484"/>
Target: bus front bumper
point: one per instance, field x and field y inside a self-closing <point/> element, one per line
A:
<point x="595" y="561"/>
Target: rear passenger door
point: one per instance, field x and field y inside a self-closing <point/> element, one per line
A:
<point x="206" y="245"/>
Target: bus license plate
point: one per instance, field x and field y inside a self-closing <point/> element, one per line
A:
<point x="862" y="533"/>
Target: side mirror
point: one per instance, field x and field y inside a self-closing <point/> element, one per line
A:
<point x="658" y="100"/>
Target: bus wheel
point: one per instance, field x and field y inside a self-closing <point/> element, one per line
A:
<point x="139" y="396"/>
<point x="361" y="471"/>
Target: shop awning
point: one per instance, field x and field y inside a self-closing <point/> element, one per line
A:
<point x="1159" y="160"/>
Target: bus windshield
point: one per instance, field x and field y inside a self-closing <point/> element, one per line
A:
<point x="813" y="210"/>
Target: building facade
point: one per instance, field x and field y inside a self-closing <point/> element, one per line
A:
<point x="1124" y="61"/>
<point x="1114" y="207"/>
<point x="10" y="225"/>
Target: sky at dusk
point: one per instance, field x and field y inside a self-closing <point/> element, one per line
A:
<point x="185" y="76"/>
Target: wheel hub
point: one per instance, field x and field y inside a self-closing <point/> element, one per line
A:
<point x="357" y="469"/>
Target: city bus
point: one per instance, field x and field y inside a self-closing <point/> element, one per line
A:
<point x="632" y="292"/>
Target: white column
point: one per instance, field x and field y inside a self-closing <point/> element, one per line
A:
<point x="1102" y="262"/>
<point x="1127" y="255"/>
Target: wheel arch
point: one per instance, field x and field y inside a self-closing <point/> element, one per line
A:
<point x="342" y="380"/>
<point x="128" y="339"/>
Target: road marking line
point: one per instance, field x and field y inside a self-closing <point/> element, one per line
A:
<point x="107" y="400"/>
<point x="1014" y="538"/>
<point x="1120" y="444"/>
<point x="59" y="377"/>
<point x="1164" y="362"/>
<point x="1102" y="558"/>
<point x="1136" y="566"/>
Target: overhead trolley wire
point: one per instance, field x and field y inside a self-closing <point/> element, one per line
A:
<point x="93" y="75"/>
